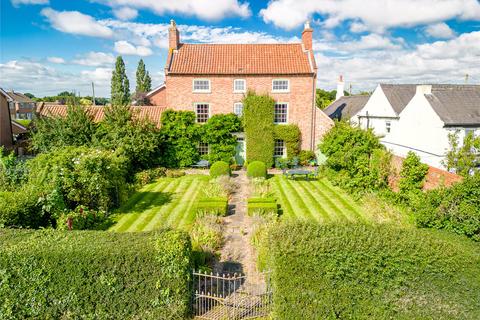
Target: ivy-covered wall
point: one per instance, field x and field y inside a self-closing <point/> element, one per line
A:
<point x="259" y="127"/>
<point x="290" y="133"/>
<point x="217" y="132"/>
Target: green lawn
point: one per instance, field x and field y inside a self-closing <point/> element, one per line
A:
<point x="318" y="200"/>
<point x="166" y="202"/>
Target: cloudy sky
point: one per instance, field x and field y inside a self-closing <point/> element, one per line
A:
<point x="48" y="46"/>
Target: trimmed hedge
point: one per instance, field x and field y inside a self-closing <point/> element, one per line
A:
<point x="291" y="135"/>
<point x="220" y="168"/>
<point x="216" y="206"/>
<point x="257" y="169"/>
<point x="94" y="275"/>
<point x="372" y="272"/>
<point x="262" y="206"/>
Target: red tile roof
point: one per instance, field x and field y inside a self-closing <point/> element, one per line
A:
<point x="286" y="58"/>
<point x="153" y="113"/>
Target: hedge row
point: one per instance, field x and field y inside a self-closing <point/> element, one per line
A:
<point x="94" y="275"/>
<point x="262" y="206"/>
<point x="372" y="272"/>
<point x="215" y="206"/>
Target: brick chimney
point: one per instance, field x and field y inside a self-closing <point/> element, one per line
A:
<point x="173" y="36"/>
<point x="307" y="35"/>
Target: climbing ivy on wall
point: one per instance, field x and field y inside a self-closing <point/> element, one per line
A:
<point x="290" y="133"/>
<point x="259" y="127"/>
<point x="217" y="132"/>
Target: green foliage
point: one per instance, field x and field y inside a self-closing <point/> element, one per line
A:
<point x="217" y="132"/>
<point x="207" y="237"/>
<point x="261" y="188"/>
<point x="259" y="127"/>
<point x="306" y="157"/>
<point x="371" y="272"/>
<point x="257" y="169"/>
<point x="352" y="157"/>
<point x="120" y="86"/>
<point x="213" y="206"/>
<point x="220" y="168"/>
<point x="144" y="82"/>
<point x="324" y="98"/>
<point x="464" y="158"/>
<point x="179" y="134"/>
<point x="412" y="174"/>
<point x="81" y="218"/>
<point x="94" y="275"/>
<point x="13" y="171"/>
<point x="262" y="207"/>
<point x="149" y="175"/>
<point x="291" y="135"/>
<point x="172" y="173"/>
<point x="21" y="208"/>
<point x="75" y="129"/>
<point x="456" y="209"/>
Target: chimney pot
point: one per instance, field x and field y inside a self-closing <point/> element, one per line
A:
<point x="424" y="89"/>
<point x="307" y="36"/>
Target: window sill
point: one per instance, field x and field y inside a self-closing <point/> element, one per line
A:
<point x="281" y="91"/>
<point x="201" y="91"/>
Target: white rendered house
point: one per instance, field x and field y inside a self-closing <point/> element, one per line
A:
<point x="433" y="113"/>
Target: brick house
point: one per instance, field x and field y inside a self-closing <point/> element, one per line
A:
<point x="213" y="78"/>
<point x="21" y="106"/>
<point x="6" y="136"/>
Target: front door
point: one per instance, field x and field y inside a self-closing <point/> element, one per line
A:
<point x="240" y="151"/>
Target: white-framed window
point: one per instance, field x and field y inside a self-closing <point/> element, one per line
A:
<point x="239" y="85"/>
<point x="202" y="112"/>
<point x="280" y="112"/>
<point x="238" y="109"/>
<point x="388" y="126"/>
<point x="201" y="85"/>
<point x="280" y="85"/>
<point x="203" y="149"/>
<point x="279" y="150"/>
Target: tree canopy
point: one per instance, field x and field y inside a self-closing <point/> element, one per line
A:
<point x="120" y="93"/>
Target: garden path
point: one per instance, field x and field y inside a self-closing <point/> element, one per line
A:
<point x="237" y="254"/>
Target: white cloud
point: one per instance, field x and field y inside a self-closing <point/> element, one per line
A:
<point x="16" y="3"/>
<point x="371" y="41"/>
<point x="203" y="9"/>
<point x="125" y="47"/>
<point x="440" y="30"/>
<point x="125" y="13"/>
<point x="357" y="27"/>
<point x="95" y="59"/>
<point x="376" y="15"/>
<point x="76" y="23"/>
<point x="102" y="75"/>
<point x="57" y="60"/>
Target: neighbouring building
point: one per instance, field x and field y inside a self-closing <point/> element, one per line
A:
<point x="430" y="116"/>
<point x="211" y="79"/>
<point x="6" y="136"/>
<point x="21" y="106"/>
<point x="347" y="108"/>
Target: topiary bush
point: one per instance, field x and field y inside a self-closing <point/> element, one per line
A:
<point x="257" y="169"/>
<point x="220" y="168"/>
<point x="55" y="274"/>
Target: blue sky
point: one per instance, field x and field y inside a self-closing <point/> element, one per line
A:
<point x="48" y="46"/>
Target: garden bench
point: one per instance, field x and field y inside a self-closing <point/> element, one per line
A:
<point x="201" y="164"/>
<point x="301" y="172"/>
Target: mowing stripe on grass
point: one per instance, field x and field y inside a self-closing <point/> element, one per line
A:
<point x="297" y="200"/>
<point x="344" y="200"/>
<point x="133" y="200"/>
<point x="178" y="213"/>
<point x="190" y="215"/>
<point x="324" y="206"/>
<point x="331" y="203"/>
<point x="287" y="206"/>
<point x="125" y="220"/>
<point x="317" y="210"/>
<point x="148" y="216"/>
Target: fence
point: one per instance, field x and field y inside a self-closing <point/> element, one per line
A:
<point x="229" y="296"/>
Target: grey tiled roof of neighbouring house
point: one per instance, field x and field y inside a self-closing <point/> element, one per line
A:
<point x="456" y="105"/>
<point x="346" y="107"/>
<point x="399" y="95"/>
<point x="19" y="97"/>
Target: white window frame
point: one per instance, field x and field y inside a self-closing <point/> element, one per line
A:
<point x="244" y="86"/>
<point x="196" y="113"/>
<point x="235" y="108"/>
<point x="281" y="90"/>
<point x="284" y="149"/>
<point x="198" y="148"/>
<point x="202" y="90"/>
<point x="388" y="126"/>
<point x="286" y="120"/>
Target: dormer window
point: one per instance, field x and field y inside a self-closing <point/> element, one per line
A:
<point x="239" y="85"/>
<point x="280" y="85"/>
<point x="201" y="85"/>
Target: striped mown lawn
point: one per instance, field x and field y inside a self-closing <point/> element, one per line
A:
<point x="168" y="202"/>
<point x="316" y="200"/>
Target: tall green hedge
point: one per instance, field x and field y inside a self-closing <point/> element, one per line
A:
<point x="290" y="133"/>
<point x="94" y="275"/>
<point x="372" y="272"/>
<point x="217" y="132"/>
<point x="259" y="127"/>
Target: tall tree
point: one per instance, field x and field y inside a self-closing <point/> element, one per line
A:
<point x="144" y="82"/>
<point x="463" y="158"/>
<point x="120" y="85"/>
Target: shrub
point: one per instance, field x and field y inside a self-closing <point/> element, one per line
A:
<point x="262" y="207"/>
<point x="217" y="132"/>
<point x="146" y="176"/>
<point x="207" y="238"/>
<point x="214" y="206"/>
<point x="219" y="168"/>
<point x="174" y="173"/>
<point x="81" y="219"/>
<point x="21" y="208"/>
<point x="306" y="157"/>
<point x="257" y="169"/>
<point x="13" y="172"/>
<point x="261" y="188"/>
<point x="94" y="275"/>
<point x="371" y="272"/>
<point x="258" y="123"/>
<point x="412" y="174"/>
<point x="291" y="135"/>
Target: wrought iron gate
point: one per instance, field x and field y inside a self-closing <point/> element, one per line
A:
<point x="229" y="296"/>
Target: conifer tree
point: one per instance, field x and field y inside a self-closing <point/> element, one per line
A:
<point x="144" y="82"/>
<point x="120" y="93"/>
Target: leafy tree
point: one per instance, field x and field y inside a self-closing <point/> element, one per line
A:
<point x="465" y="158"/>
<point x="29" y="95"/>
<point x="144" y="82"/>
<point x="217" y="132"/>
<point x="412" y="174"/>
<point x="120" y="91"/>
<point x="324" y="98"/>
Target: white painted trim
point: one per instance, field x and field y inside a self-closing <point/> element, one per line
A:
<point x="235" y="103"/>
<point x="163" y="85"/>
<point x="6" y="95"/>
<point x="281" y="91"/>
<point x="245" y="86"/>
<point x="288" y="112"/>
<point x="202" y="91"/>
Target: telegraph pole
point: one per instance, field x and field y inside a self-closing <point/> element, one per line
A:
<point x="93" y="93"/>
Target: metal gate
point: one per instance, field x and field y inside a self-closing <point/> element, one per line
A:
<point x="229" y="296"/>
